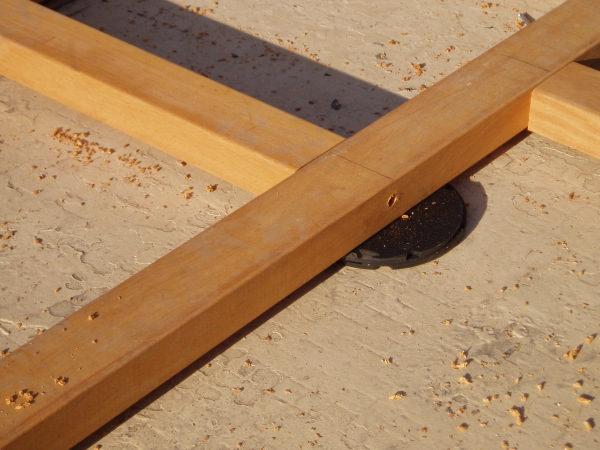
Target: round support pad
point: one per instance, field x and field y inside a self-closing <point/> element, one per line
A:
<point x="422" y="234"/>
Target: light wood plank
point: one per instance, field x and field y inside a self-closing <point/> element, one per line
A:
<point x="160" y="320"/>
<point x="566" y="108"/>
<point x="231" y="135"/>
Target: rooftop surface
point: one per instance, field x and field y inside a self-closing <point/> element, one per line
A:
<point x="473" y="350"/>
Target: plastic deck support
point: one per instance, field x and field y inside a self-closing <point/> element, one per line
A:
<point x="165" y="317"/>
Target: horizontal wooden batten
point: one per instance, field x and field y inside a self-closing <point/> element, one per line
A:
<point x="231" y="135"/>
<point x="103" y="358"/>
<point x="566" y="108"/>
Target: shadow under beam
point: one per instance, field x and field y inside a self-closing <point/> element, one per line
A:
<point x="285" y="79"/>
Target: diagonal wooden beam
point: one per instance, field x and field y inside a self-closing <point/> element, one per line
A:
<point x="229" y="134"/>
<point x="566" y="108"/>
<point x="82" y="372"/>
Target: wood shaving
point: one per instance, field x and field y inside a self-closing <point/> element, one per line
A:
<point x="572" y="354"/>
<point x="21" y="399"/>
<point x="466" y="378"/>
<point x="397" y="395"/>
<point x="589" y="424"/>
<point x="519" y="413"/>
<point x="418" y="68"/>
<point x="458" y="365"/>
<point x="585" y="399"/>
<point x="61" y="381"/>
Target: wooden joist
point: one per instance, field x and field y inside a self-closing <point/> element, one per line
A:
<point x="106" y="356"/>
<point x="231" y="135"/>
<point x="566" y="108"/>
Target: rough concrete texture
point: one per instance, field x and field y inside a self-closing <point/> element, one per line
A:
<point x="470" y="351"/>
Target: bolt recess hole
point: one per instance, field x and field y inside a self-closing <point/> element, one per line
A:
<point x="392" y="200"/>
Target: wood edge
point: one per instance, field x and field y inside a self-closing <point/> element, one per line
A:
<point x="561" y="109"/>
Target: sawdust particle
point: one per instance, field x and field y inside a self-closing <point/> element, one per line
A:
<point x="61" y="381"/>
<point x="466" y="378"/>
<point x="572" y="354"/>
<point x="397" y="395"/>
<point x="589" y="424"/>
<point x="519" y="413"/>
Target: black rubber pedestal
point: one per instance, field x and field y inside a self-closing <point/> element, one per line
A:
<point x="422" y="234"/>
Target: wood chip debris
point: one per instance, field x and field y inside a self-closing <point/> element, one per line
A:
<point x="459" y="365"/>
<point x="589" y="424"/>
<point x="397" y="395"/>
<point x="61" y="381"/>
<point x="585" y="399"/>
<point x="519" y="413"/>
<point x="572" y="354"/>
<point x="21" y="399"/>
